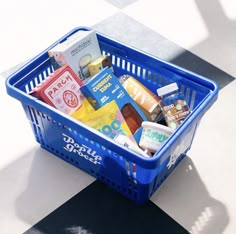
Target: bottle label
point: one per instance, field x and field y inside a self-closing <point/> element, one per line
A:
<point x="132" y="117"/>
<point x="175" y="113"/>
<point x="141" y="95"/>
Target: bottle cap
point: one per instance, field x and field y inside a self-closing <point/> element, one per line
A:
<point x="123" y="78"/>
<point x="167" y="89"/>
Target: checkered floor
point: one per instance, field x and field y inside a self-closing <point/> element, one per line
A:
<point x="43" y="194"/>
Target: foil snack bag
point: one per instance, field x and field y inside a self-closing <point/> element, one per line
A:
<point x="107" y="119"/>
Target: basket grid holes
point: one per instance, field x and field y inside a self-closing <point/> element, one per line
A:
<point x="124" y="64"/>
<point x="153" y="77"/>
<point x="76" y="133"/>
<point x="38" y="79"/>
<point x="37" y="129"/>
<point x="135" y="69"/>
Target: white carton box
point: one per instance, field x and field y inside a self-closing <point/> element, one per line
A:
<point x="77" y="51"/>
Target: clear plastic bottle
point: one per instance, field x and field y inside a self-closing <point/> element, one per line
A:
<point x="173" y="105"/>
<point x="146" y="100"/>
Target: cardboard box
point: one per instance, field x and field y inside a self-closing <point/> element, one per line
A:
<point x="97" y="65"/>
<point x="105" y="87"/>
<point x="77" y="51"/>
<point x="61" y="90"/>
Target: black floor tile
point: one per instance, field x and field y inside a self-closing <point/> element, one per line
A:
<point x="99" y="210"/>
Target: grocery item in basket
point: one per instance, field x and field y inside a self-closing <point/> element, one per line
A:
<point x="108" y="120"/>
<point x="105" y="87"/>
<point x="147" y="100"/>
<point x="77" y="51"/>
<point x="61" y="90"/>
<point x="174" y="107"/>
<point x="153" y="136"/>
<point x="84" y="110"/>
<point x="125" y="141"/>
<point x="132" y="118"/>
<point x="97" y="65"/>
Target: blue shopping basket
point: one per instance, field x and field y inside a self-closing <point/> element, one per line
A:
<point x="132" y="175"/>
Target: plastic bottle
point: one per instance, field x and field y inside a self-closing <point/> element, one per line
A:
<point x="132" y="118"/>
<point x="145" y="99"/>
<point x="173" y="105"/>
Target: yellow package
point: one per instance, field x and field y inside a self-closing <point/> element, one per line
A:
<point x="97" y="65"/>
<point x="85" y="109"/>
<point x="107" y="120"/>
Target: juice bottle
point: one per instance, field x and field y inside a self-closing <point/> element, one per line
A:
<point x="132" y="118"/>
<point x="145" y="99"/>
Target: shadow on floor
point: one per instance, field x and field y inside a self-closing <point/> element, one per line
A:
<point x="139" y="36"/>
<point x="220" y="43"/>
<point x="98" y="209"/>
<point x="185" y="198"/>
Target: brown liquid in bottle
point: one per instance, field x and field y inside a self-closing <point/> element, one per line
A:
<point x="132" y="118"/>
<point x="146" y="100"/>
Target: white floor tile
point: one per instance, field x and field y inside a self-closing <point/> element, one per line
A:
<point x="206" y="28"/>
<point x="32" y="182"/>
<point x="28" y="27"/>
<point x="204" y="184"/>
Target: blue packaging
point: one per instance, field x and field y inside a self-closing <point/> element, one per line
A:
<point x="105" y="87"/>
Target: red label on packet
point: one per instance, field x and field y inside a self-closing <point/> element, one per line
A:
<point x="61" y="90"/>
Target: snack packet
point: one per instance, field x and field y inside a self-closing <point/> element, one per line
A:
<point x="107" y="120"/>
<point x="105" y="87"/>
<point x="85" y="109"/>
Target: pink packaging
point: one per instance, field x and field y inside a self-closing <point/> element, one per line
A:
<point x="61" y="90"/>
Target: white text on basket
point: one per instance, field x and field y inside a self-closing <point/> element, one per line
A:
<point x="81" y="150"/>
<point x="177" y="153"/>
